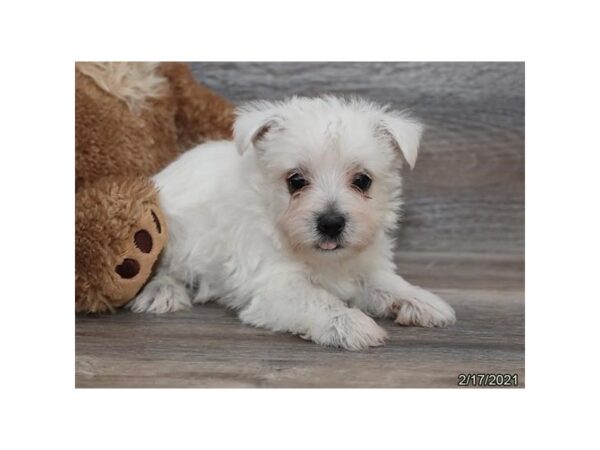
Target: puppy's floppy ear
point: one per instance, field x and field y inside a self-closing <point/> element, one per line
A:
<point x="254" y="121"/>
<point x="405" y="133"/>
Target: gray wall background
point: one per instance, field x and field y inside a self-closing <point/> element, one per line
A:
<point x="466" y="194"/>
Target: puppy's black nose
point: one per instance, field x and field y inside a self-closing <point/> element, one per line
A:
<point x="331" y="224"/>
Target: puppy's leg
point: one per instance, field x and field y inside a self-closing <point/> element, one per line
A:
<point x="162" y="294"/>
<point x="389" y="295"/>
<point x="297" y="306"/>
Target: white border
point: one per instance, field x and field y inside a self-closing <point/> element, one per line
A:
<point x="41" y="41"/>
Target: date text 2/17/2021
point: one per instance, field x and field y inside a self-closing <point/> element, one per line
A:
<point x="488" y="379"/>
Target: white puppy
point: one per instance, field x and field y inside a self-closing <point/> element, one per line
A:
<point x="292" y="223"/>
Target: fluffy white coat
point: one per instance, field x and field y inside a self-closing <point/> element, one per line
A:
<point x="241" y="233"/>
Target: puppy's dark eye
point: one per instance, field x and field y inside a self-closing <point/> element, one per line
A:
<point x="296" y="181"/>
<point x="362" y="182"/>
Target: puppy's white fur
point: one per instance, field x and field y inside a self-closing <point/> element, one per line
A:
<point x="240" y="236"/>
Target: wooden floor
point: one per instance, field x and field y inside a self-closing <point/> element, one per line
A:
<point x="209" y="347"/>
<point x="462" y="236"/>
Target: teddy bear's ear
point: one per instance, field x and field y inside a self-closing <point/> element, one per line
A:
<point x="404" y="132"/>
<point x="254" y="122"/>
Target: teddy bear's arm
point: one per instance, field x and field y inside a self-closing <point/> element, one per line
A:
<point x="201" y="114"/>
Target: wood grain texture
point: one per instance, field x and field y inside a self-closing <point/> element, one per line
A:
<point x="462" y="236"/>
<point x="209" y="347"/>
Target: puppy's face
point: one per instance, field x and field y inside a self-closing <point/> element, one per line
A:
<point x="328" y="168"/>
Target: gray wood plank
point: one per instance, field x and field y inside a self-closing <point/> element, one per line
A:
<point x="209" y="347"/>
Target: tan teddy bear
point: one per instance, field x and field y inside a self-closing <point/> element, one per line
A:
<point x="131" y="120"/>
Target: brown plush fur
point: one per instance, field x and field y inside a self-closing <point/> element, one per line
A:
<point x="131" y="120"/>
<point x="112" y="139"/>
<point x="108" y="214"/>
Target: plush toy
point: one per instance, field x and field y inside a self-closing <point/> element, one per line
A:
<point x="131" y="120"/>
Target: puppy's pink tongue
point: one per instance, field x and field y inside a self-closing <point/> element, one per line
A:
<point x="328" y="245"/>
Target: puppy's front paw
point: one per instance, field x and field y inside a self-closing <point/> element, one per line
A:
<point x="161" y="295"/>
<point x="423" y="308"/>
<point x="352" y="330"/>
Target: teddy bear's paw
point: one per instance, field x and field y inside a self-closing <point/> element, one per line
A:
<point x="139" y="253"/>
<point x="162" y="294"/>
